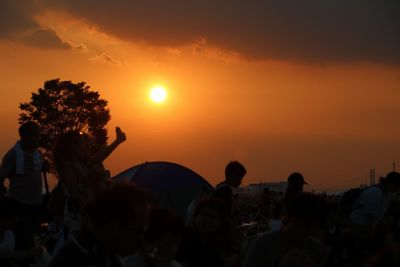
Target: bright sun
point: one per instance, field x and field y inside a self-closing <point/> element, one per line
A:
<point x="158" y="94"/>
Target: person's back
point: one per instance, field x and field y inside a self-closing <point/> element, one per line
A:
<point x="370" y="207"/>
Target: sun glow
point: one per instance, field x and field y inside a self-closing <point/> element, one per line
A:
<point x="158" y="94"/>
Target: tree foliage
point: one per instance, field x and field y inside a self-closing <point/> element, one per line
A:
<point x="61" y="106"/>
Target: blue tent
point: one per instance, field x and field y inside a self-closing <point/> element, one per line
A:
<point x="171" y="185"/>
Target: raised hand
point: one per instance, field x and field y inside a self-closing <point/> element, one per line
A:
<point x="121" y="137"/>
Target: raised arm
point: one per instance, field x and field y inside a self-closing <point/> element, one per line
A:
<point x="107" y="150"/>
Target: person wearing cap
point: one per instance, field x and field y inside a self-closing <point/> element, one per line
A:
<point x="295" y="186"/>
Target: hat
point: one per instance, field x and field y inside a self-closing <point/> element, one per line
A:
<point x="296" y="178"/>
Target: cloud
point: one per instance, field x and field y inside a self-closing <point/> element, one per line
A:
<point x="80" y="47"/>
<point x="45" y="39"/>
<point x="17" y="23"/>
<point x="105" y="58"/>
<point x="304" y="31"/>
<point x="312" y="31"/>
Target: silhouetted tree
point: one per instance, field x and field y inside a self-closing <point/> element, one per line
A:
<point x="61" y="106"/>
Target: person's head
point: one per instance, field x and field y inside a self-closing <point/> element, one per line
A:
<point x="391" y="182"/>
<point x="29" y="133"/>
<point x="211" y="216"/>
<point x="296" y="181"/>
<point x="118" y="217"/>
<point x="304" y="214"/>
<point x="163" y="235"/>
<point x="234" y="173"/>
<point x="9" y="213"/>
<point x="70" y="146"/>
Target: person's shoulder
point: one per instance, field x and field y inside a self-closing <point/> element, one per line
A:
<point x="222" y="191"/>
<point x="10" y="154"/>
<point x="223" y="186"/>
<point x="373" y="190"/>
<point x="8" y="163"/>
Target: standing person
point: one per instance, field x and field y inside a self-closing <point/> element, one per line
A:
<point x="22" y="165"/>
<point x="81" y="175"/>
<point x="234" y="174"/>
<point x="295" y="186"/>
<point x="370" y="207"/>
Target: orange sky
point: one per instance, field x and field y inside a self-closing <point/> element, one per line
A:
<point x="326" y="110"/>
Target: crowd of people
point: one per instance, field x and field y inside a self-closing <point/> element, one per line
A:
<point x="93" y="221"/>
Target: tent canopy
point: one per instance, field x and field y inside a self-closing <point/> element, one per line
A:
<point x="171" y="185"/>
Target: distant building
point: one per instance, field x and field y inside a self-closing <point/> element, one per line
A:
<point x="255" y="189"/>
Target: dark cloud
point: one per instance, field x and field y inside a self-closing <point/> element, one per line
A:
<point x="46" y="39"/>
<point x="313" y="31"/>
<point x="17" y="23"/>
<point x="306" y="31"/>
<point x="15" y="16"/>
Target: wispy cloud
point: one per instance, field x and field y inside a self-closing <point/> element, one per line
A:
<point x="106" y="59"/>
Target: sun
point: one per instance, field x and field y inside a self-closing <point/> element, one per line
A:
<point x="158" y="94"/>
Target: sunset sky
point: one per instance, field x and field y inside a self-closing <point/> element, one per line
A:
<point x="282" y="86"/>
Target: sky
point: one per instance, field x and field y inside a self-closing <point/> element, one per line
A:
<point x="282" y="86"/>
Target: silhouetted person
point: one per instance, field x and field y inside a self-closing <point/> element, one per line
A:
<point x="116" y="221"/>
<point x="22" y="165"/>
<point x="81" y="174"/>
<point x="295" y="186"/>
<point x="234" y="174"/>
<point x="295" y="242"/>
<point x="370" y="207"/>
<point x="211" y="241"/>
<point x="162" y="241"/>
